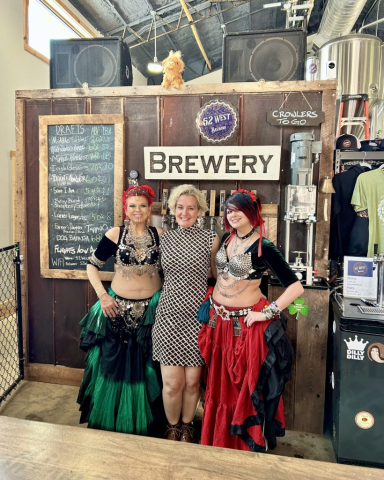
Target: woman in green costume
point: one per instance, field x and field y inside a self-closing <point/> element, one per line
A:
<point x="121" y="388"/>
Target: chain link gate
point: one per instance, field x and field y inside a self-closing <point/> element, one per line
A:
<point x="11" y="335"/>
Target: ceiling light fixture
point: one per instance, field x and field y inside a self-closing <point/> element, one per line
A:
<point x="155" y="66"/>
<point x="273" y="5"/>
<point x="286" y="5"/>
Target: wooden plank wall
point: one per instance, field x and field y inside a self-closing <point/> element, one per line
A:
<point x="54" y="307"/>
<point x="304" y="396"/>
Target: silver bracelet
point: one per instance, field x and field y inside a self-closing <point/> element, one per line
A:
<point x="271" y="310"/>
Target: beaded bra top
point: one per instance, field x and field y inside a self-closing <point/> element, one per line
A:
<point x="238" y="267"/>
<point x="131" y="261"/>
<point x="249" y="265"/>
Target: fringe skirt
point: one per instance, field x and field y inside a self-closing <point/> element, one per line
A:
<point x="121" y="387"/>
<point x="246" y="370"/>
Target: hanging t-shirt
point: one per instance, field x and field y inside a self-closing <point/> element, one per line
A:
<point x="369" y="195"/>
<point x="343" y="216"/>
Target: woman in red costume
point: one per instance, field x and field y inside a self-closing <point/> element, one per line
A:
<point x="242" y="340"/>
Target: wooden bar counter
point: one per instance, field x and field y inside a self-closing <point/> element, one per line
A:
<point x="35" y="451"/>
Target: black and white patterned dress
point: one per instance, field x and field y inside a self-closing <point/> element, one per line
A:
<point x="185" y="258"/>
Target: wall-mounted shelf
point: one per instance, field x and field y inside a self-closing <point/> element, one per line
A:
<point x="343" y="157"/>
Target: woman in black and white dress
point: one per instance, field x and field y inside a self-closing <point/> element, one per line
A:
<point x="187" y="254"/>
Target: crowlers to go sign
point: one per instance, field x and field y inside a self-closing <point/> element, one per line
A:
<point x="215" y="163"/>
<point x="298" y="118"/>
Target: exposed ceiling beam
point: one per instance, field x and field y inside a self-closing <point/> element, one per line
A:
<point x="196" y="34"/>
<point x="123" y="21"/>
<point x="221" y="18"/>
<point x="195" y="9"/>
<point x="124" y="24"/>
<point x="180" y="27"/>
<point x="171" y="42"/>
<point x="160" y="12"/>
<point x="114" y="8"/>
<point x="245" y="15"/>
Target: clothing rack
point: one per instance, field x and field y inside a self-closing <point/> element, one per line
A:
<point x="345" y="159"/>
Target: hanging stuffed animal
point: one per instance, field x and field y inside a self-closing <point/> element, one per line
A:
<point x="173" y="66"/>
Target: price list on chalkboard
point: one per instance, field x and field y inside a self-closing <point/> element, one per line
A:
<point x="80" y="192"/>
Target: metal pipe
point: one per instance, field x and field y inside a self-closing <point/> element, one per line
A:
<point x="370" y="24"/>
<point x="287" y="235"/>
<point x="380" y="280"/>
<point x="309" y="243"/>
<point x="338" y="19"/>
<point x="370" y="10"/>
<point x="373" y="125"/>
<point x="17" y="262"/>
<point x="377" y="17"/>
<point x="243" y="16"/>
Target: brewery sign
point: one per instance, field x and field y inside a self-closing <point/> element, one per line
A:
<point x="297" y="118"/>
<point x="212" y="163"/>
<point x="217" y="121"/>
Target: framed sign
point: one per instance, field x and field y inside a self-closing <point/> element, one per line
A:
<point x="360" y="278"/>
<point x="81" y="182"/>
<point x="297" y="118"/>
<point x="213" y="162"/>
<point x="217" y="121"/>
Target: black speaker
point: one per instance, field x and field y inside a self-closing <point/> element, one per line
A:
<point x="99" y="62"/>
<point x="270" y="55"/>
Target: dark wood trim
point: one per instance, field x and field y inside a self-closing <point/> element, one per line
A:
<point x="325" y="169"/>
<point x="20" y="214"/>
<point x="12" y="156"/>
<point x="209" y="89"/>
<point x="44" y="121"/>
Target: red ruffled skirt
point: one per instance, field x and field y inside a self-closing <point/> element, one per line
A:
<point x="239" y="362"/>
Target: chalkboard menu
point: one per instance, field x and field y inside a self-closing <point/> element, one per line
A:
<point x="81" y="182"/>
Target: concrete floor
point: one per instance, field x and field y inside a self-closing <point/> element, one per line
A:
<point x="45" y="402"/>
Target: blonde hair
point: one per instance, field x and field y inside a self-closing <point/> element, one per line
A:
<point x="186" y="189"/>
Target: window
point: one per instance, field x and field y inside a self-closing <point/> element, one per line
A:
<point x="49" y="19"/>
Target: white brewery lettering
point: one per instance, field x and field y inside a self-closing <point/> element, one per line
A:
<point x="294" y="117"/>
<point x="81" y="191"/>
<point x="295" y="114"/>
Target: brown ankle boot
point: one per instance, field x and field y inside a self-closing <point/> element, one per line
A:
<point x="173" y="432"/>
<point x="187" y="432"/>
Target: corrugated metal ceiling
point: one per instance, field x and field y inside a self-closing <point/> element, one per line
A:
<point x="133" y="19"/>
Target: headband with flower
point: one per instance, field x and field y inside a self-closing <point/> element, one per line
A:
<point x="138" y="191"/>
<point x="246" y="192"/>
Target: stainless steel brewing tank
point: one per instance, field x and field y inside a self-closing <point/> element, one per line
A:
<point x="381" y="79"/>
<point x="357" y="63"/>
<point x="377" y="121"/>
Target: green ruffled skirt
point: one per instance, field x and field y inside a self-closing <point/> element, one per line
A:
<point x="121" y="387"/>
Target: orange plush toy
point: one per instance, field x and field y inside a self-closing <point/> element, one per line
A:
<point x="173" y="66"/>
